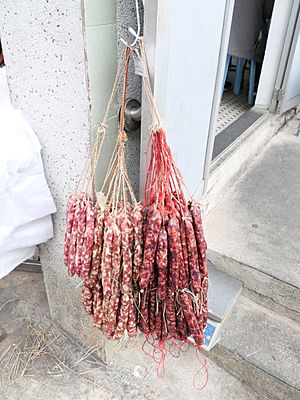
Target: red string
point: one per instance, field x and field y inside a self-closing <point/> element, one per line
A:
<point x="149" y="343"/>
<point x="174" y="349"/>
<point x="185" y="343"/>
<point x="159" y="354"/>
<point x="163" y="180"/>
<point x="203" y="367"/>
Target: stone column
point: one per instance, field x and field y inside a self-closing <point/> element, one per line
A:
<point x="44" y="48"/>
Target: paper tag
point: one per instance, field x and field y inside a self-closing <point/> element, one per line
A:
<point x="101" y="200"/>
<point x="138" y="64"/>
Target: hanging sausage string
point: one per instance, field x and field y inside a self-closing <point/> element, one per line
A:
<point x="173" y="277"/>
<point x="143" y="267"/>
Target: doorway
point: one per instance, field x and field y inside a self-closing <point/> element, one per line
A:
<point x="273" y="78"/>
<point x="245" y="56"/>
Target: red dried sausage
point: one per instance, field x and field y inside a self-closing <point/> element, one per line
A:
<point x="181" y="325"/>
<point x="112" y="310"/>
<point x="88" y="240"/>
<point x="132" y="319"/>
<point x="87" y="298"/>
<point x="97" y="305"/>
<point x="73" y="241"/>
<point x="162" y="264"/>
<point x="175" y="252"/>
<point x="97" y="246"/>
<point x="198" y="228"/>
<point x="126" y="285"/>
<point x="152" y="309"/>
<point x="184" y="271"/>
<point x="171" y="314"/>
<point x="72" y="202"/>
<point x="193" y="325"/>
<point x="197" y="220"/>
<point x="137" y="221"/>
<point x="80" y="237"/>
<point x="143" y="314"/>
<point x="194" y="269"/>
<point x="106" y="264"/>
<point x="151" y="240"/>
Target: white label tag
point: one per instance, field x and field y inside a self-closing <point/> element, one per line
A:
<point x="138" y="64"/>
<point x="101" y="200"/>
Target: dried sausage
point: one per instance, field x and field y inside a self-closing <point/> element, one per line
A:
<point x="126" y="285"/>
<point x="194" y="269"/>
<point x="137" y="221"/>
<point x="197" y="220"/>
<point x="97" y="245"/>
<point x="80" y="237"/>
<point x="184" y="271"/>
<point x="70" y="220"/>
<point x="151" y="240"/>
<point x="87" y="298"/>
<point x="73" y="241"/>
<point x="143" y="314"/>
<point x="132" y="319"/>
<point x="97" y="305"/>
<point x="192" y="322"/>
<point x="112" y="310"/>
<point x="171" y="314"/>
<point x="162" y="264"/>
<point x="88" y="240"/>
<point x="175" y="252"/>
<point x="106" y="264"/>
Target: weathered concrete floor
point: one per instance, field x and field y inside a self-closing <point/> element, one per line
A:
<point x="130" y="375"/>
<point x="258" y="221"/>
<point x="263" y="348"/>
<point x="262" y="343"/>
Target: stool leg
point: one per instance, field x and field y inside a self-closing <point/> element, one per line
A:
<point x="238" y="76"/>
<point x="251" y="82"/>
<point x="228" y="58"/>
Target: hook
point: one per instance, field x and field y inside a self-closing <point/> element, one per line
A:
<point x="138" y="19"/>
<point x="131" y="30"/>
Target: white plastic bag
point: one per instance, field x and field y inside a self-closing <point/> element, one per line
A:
<point x="11" y="259"/>
<point x="25" y="199"/>
<point x="21" y="243"/>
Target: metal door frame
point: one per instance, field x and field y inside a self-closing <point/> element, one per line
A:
<point x="285" y="60"/>
<point x="218" y="92"/>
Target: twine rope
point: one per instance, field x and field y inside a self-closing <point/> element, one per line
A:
<point x="87" y="180"/>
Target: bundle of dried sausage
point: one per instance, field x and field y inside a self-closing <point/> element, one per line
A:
<point x="84" y="219"/>
<point x="121" y="240"/>
<point x="104" y="240"/>
<point x="173" y="276"/>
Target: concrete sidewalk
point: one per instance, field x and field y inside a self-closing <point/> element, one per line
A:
<point x="258" y="222"/>
<point x="253" y="234"/>
<point x="130" y="375"/>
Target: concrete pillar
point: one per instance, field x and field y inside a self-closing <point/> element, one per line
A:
<point x="44" y="44"/>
